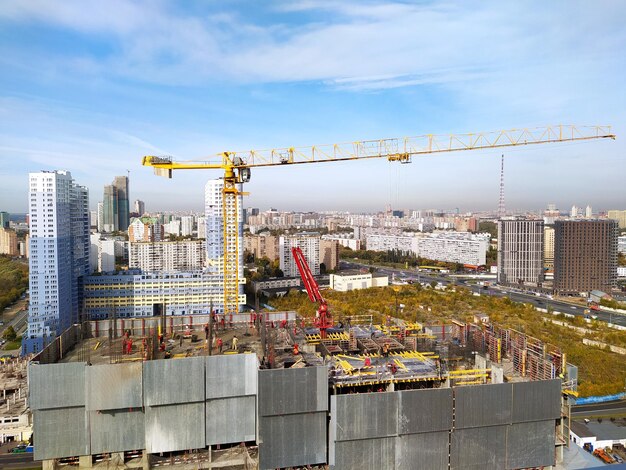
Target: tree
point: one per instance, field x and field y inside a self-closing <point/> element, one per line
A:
<point x="9" y="334"/>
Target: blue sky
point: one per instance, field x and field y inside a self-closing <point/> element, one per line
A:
<point x="92" y="86"/>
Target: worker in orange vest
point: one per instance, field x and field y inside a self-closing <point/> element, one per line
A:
<point x="296" y="349"/>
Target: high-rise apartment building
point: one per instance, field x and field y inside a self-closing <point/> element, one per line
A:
<point x="262" y="245"/>
<point x="167" y="257"/>
<point x="329" y="254"/>
<point x="116" y="212"/>
<point x="187" y="223"/>
<point x="620" y="216"/>
<point x="139" y="207"/>
<point x="310" y="246"/>
<point x="520" y="252"/>
<point x="110" y="221"/>
<point x="100" y="223"/>
<point x="123" y="209"/>
<point x="214" y="214"/>
<point x="585" y="255"/>
<point x="146" y="229"/>
<point x="8" y="242"/>
<point x="59" y="255"/>
<point x="4" y="220"/>
<point x="201" y="227"/>
<point x="548" y="247"/>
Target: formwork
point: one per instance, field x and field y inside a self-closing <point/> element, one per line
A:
<point x="293" y="409"/>
<point x="536" y="401"/>
<point x="479" y="448"/>
<point x="175" y="427"/>
<point x="170" y="382"/>
<point x="113" y="386"/>
<point x="530" y="444"/>
<point x="62" y="432"/>
<point x="116" y="430"/>
<point x="56" y="385"/>
<point x="230" y="392"/>
<point x="483" y="405"/>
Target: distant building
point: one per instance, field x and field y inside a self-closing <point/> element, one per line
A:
<point x="139" y="207"/>
<point x="59" y="255"/>
<point x="465" y="224"/>
<point x="618" y="215"/>
<point x="353" y="280"/>
<point x="548" y="247"/>
<point x="347" y="241"/>
<point x="585" y="255"/>
<point x="93" y="220"/>
<point x="310" y="246"/>
<point x="172" y="228"/>
<point x="8" y="242"/>
<point x="329" y="254"/>
<point x="385" y="241"/>
<point x="621" y="244"/>
<point x="145" y="229"/>
<point x="201" y="228"/>
<point x="167" y="257"/>
<point x="588" y="212"/>
<point x="116" y="213"/>
<point x="455" y="247"/>
<point x="520" y="252"/>
<point x="4" y="220"/>
<point x="187" y="224"/>
<point x="100" y="222"/>
<point x="262" y="245"/>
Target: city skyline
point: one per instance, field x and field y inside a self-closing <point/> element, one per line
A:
<point x="105" y="92"/>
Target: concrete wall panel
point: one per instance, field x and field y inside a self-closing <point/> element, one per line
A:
<point x="172" y="381"/>
<point x="231" y="420"/>
<point x="425" y="411"/>
<point x="368" y="454"/>
<point x="233" y="375"/>
<point x="365" y="416"/>
<point x="536" y="401"/>
<point x="116" y="430"/>
<point x="60" y="433"/>
<point x="114" y="386"/>
<point x="56" y="385"/>
<point x="287" y="391"/>
<point x="478" y="448"/>
<point x="292" y="440"/>
<point x="531" y="445"/>
<point x="175" y="427"/>
<point x="426" y="450"/>
<point x="483" y="405"/>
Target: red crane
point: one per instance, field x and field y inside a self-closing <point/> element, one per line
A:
<point x="323" y="319"/>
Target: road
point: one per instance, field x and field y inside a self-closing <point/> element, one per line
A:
<point x="600" y="409"/>
<point x="540" y="302"/>
<point x="18" y="461"/>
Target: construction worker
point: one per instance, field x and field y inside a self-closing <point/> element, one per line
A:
<point x="219" y="345"/>
<point x="386" y="350"/>
<point x="296" y="349"/>
<point x="235" y="343"/>
<point x="206" y="331"/>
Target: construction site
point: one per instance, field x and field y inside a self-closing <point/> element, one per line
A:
<point x="176" y="392"/>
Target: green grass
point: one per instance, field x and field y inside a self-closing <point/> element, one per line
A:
<point x="11" y="345"/>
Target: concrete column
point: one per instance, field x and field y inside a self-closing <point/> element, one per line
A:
<point x="117" y="458"/>
<point x="49" y="465"/>
<point x="145" y="460"/>
<point x="85" y="461"/>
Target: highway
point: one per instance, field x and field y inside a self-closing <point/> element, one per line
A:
<point x="499" y="291"/>
<point x="600" y="409"/>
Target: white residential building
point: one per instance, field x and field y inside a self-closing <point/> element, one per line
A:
<point x="167" y="257"/>
<point x="201" y="227"/>
<point x="106" y="256"/>
<point x="172" y="228"/>
<point x="385" y="241"/>
<point x="520" y="251"/>
<point x="621" y="244"/>
<point x="346" y="241"/>
<point x="187" y="224"/>
<point x="59" y="255"/>
<point x="348" y="281"/>
<point x="309" y="244"/>
<point x="213" y="212"/>
<point x="455" y="247"/>
<point x="145" y="229"/>
<point x="136" y="295"/>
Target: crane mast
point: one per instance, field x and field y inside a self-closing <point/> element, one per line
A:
<point x="323" y="319"/>
<point x="236" y="169"/>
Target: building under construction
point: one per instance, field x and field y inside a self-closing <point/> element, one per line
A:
<point x="267" y="391"/>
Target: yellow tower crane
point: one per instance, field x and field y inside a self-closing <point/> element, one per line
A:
<point x="236" y="167"/>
